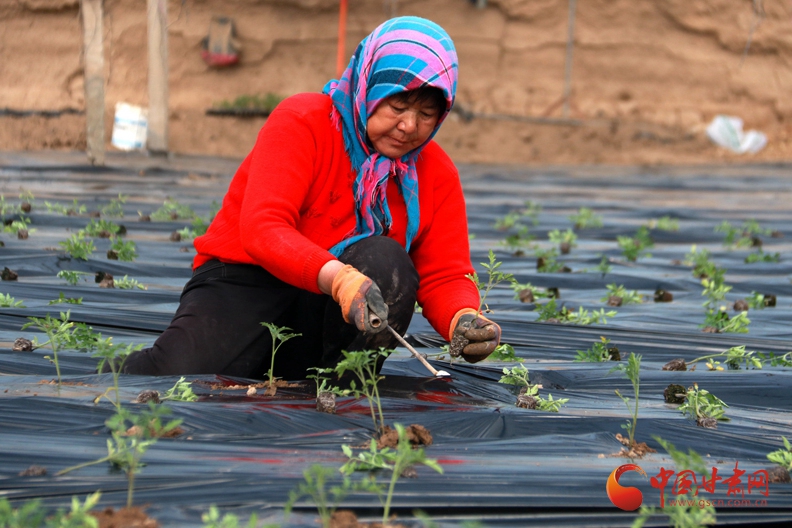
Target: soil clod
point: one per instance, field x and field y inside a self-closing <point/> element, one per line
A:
<point x="147" y="395"/>
<point x="33" y="471"/>
<point x="614" y="300"/>
<point x="663" y="296"/>
<point x="417" y="434"/>
<point x="778" y="474"/>
<point x="175" y="236"/>
<point x="636" y="450"/>
<point x="112" y="254"/>
<point x="22" y="234"/>
<point x="26" y="207"/>
<point x="144" y="218"/>
<point x="707" y="422"/>
<point x="134" y="516"/>
<point x="675" y="364"/>
<point x="675" y="393"/>
<point x="710" y="330"/>
<point x="777" y="234"/>
<point x="741" y="305"/>
<point x="614" y="354"/>
<point x="8" y="275"/>
<point x="326" y="402"/>
<point x="526" y="295"/>
<point x="769" y="300"/>
<point x="553" y="293"/>
<point x="22" y="345"/>
<point x="525" y="401"/>
<point x="565" y="248"/>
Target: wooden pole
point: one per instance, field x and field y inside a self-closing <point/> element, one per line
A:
<point x="341" y="55"/>
<point x="568" y="63"/>
<point x="158" y="76"/>
<point x="93" y="57"/>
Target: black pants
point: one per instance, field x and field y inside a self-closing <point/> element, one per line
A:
<point x="217" y="327"/>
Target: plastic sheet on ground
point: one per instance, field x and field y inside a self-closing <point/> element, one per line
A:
<point x="503" y="466"/>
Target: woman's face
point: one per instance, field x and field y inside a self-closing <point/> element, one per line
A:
<point x="396" y="127"/>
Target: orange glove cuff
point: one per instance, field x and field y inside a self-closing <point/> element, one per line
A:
<point x="455" y="320"/>
<point x="346" y="286"/>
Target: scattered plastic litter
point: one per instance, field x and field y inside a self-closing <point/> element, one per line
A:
<point x="727" y="132"/>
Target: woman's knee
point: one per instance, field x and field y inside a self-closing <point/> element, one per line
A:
<point x="385" y="262"/>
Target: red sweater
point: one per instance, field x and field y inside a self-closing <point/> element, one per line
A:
<point x="291" y="200"/>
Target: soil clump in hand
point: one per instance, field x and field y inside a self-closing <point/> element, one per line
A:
<point x="124" y="518"/>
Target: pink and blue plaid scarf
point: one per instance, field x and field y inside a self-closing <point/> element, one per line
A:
<point x="402" y="54"/>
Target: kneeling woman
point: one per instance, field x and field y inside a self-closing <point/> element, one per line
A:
<point x="344" y="212"/>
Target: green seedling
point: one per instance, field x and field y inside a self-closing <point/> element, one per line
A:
<point x="127" y="283"/>
<point x="586" y="218"/>
<point x="604" y="266"/>
<point x="77" y="246"/>
<point x="734" y="357"/>
<point x="599" y="352"/>
<point x="637" y="245"/>
<point x="323" y="382"/>
<point x="692" y="516"/>
<point x="700" y="404"/>
<point x="6" y="301"/>
<point x="546" y="261"/>
<point x="741" y="237"/>
<point x="266" y="102"/>
<point x="71" y="277"/>
<point x="116" y="207"/>
<point x="75" y="209"/>
<point x="181" y="391"/>
<point x="172" y="210"/>
<point x="32" y="514"/>
<point x="123" y="250"/>
<point x="505" y="353"/>
<point x="782" y="457"/>
<point x="550" y="312"/>
<point x="703" y="267"/>
<point x="775" y="360"/>
<point x="363" y="364"/>
<point x="519" y="241"/>
<point x="113" y="356"/>
<point x="186" y="234"/>
<point x="536" y="292"/>
<point x="58" y="333"/>
<point x="508" y="222"/>
<point x="721" y="322"/>
<point x="5" y="208"/>
<point x="566" y="240"/>
<point x="102" y="228"/>
<point x="665" y="223"/>
<point x="626" y="296"/>
<point x="68" y="300"/>
<point x="212" y="519"/>
<point x="756" y="301"/>
<point x="531" y="211"/>
<point x="761" y="256"/>
<point x="396" y="461"/>
<point x="494" y="277"/>
<point x="199" y="225"/>
<point x="519" y="376"/>
<point x="315" y="487"/>
<point x="19" y="225"/>
<point x="632" y="371"/>
<point x="279" y="334"/>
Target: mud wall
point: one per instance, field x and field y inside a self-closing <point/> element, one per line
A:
<point x="656" y="71"/>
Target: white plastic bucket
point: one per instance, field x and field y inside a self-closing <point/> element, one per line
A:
<point x="129" y="127"/>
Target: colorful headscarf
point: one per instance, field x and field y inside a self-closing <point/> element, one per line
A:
<point x="402" y="54"/>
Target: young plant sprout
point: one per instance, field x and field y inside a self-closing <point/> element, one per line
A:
<point x="733" y="357"/>
<point x="504" y="353"/>
<point x="703" y="267"/>
<point x="775" y="360"/>
<point x="102" y="228"/>
<point x="75" y="209"/>
<point x="280" y="334"/>
<point x="181" y="391"/>
<point x="604" y="266"/>
<point x="761" y="256"/>
<point x="549" y="312"/>
<point x="6" y="301"/>
<point x="529" y="394"/>
<point x="632" y="371"/>
<point x="695" y="515"/>
<point x="116" y="207"/>
<point x="704" y="407"/>
<point x="212" y="519"/>
<point x="396" y="461"/>
<point x="586" y="218"/>
<point x="19" y="228"/>
<point x="599" y="352"/>
<point x="757" y="301"/>
<point x="665" y="223"/>
<point x="186" y="234"/>
<point x="618" y="295"/>
<point x="507" y="222"/>
<point x="782" y="457"/>
<point x="63" y="299"/>
<point x="531" y="211"/>
<point x="519" y="241"/>
<point x="528" y="292"/>
<point x="77" y="246"/>
<point x="57" y="331"/>
<point x="128" y="283"/>
<point x="566" y="240"/>
<point x="546" y="261"/>
<point x="33" y="514"/>
<point x="172" y="210"/>
<point x="113" y="355"/>
<point x="327" y="500"/>
<point x="637" y="245"/>
<point x="716" y="317"/>
<point x="363" y="364"/>
<point x="71" y="277"/>
<point x="125" y="251"/>
<point x="494" y="277"/>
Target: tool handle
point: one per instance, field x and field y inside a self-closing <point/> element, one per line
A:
<point x="414" y="352"/>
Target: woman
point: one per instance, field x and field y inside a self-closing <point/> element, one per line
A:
<point x="343" y="215"/>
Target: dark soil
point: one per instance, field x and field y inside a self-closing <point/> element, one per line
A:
<point x="458" y="342"/>
<point x="614" y="300"/>
<point x="777" y="234"/>
<point x="778" y="474"/>
<point x="144" y="218"/>
<point x="418" y="435"/>
<point x="33" y="471"/>
<point x="26" y="207"/>
<point x="524" y="401"/>
<point x="347" y="519"/>
<point x="675" y="364"/>
<point x="107" y="282"/>
<point x="133" y="517"/>
<point x="8" y="275"/>
<point x="526" y="295"/>
<point x="565" y="248"/>
<point x="112" y="254"/>
<point x="675" y="393"/>
<point x="614" y="354"/>
<point x="708" y="423"/>
<point x="637" y="450"/>
<point x="134" y="430"/>
<point x="22" y="234"/>
<point x="553" y="293"/>
<point x="326" y="402"/>
<point x="741" y="306"/>
<point x="175" y="236"/>
<point x="22" y="345"/>
<point x="148" y="395"/>
<point x="710" y="330"/>
<point x="663" y="296"/>
<point x="769" y="300"/>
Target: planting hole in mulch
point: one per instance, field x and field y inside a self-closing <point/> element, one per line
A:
<point x="675" y="393"/>
<point x="638" y="449"/>
<point x="8" y="275"/>
<point x="707" y="422"/>
<point x="553" y="293"/>
<point x="146" y="396"/>
<point x="326" y="402"/>
<point x="22" y="345"/>
<point x="33" y="471"/>
<point x="526" y="295"/>
<point x="417" y="434"/>
<point x="769" y="300"/>
<point x="663" y="296"/>
<point x="133" y="517"/>
<point x="675" y="364"/>
<point x="614" y="300"/>
<point x="741" y="305"/>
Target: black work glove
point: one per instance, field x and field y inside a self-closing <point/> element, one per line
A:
<point x="474" y="337"/>
<point x="360" y="300"/>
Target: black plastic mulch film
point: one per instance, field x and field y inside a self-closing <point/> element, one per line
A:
<point x="503" y="466"/>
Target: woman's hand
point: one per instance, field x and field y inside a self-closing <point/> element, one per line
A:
<point x="360" y="300"/>
<point x="483" y="335"/>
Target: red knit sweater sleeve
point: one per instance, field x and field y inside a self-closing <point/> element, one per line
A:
<point x="441" y="252"/>
<point x="280" y="175"/>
